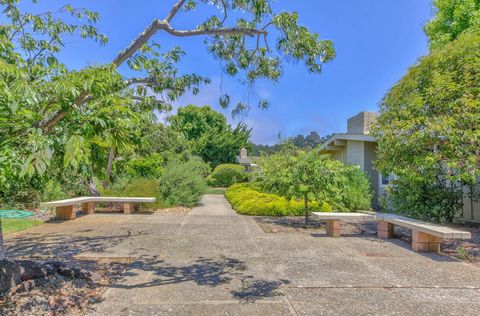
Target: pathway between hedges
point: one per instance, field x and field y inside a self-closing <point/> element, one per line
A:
<point x="212" y="261"/>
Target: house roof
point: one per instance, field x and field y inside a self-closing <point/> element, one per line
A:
<point x="338" y="141"/>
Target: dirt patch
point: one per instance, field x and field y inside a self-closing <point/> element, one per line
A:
<point x="296" y="225"/>
<point x="61" y="295"/>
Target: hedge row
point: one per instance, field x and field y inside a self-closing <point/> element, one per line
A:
<point x="248" y="201"/>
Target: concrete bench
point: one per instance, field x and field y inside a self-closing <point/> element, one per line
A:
<point x="426" y="237"/>
<point x="64" y="208"/>
<point x="333" y="220"/>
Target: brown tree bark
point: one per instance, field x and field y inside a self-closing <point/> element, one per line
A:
<point x="2" y="247"/>
<point x="108" y="171"/>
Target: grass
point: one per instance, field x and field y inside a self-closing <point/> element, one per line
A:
<point x="12" y="225"/>
<point x="211" y="190"/>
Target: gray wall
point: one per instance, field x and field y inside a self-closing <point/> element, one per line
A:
<point x="470" y="211"/>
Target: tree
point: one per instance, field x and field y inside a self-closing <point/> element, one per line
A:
<point x="304" y="175"/>
<point x="429" y="127"/>
<point x="81" y="119"/>
<point x="209" y="135"/>
<point x="453" y="17"/>
<point x="313" y="139"/>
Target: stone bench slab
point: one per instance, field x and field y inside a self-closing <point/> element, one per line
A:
<point x="428" y="228"/>
<point x="86" y="199"/>
<point x="361" y="217"/>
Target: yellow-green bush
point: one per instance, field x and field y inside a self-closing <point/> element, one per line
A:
<point x="246" y="200"/>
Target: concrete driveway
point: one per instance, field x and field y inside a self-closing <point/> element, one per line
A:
<point x="212" y="261"/>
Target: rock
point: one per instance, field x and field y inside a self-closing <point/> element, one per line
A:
<point x="76" y="273"/>
<point x="29" y="285"/>
<point x="9" y="274"/>
<point x="34" y="270"/>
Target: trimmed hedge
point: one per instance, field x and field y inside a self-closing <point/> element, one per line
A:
<point x="227" y="174"/>
<point x="246" y="200"/>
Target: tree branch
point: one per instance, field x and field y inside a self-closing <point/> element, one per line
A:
<point x="174" y="10"/>
<point x="145" y="36"/>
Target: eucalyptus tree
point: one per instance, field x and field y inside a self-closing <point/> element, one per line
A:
<point x="87" y="115"/>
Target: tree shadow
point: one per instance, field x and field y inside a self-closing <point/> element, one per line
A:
<point x="204" y="272"/>
<point x="253" y="290"/>
<point x="62" y="245"/>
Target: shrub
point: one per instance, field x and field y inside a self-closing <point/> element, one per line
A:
<point x="358" y="192"/>
<point x="247" y="200"/>
<point x="145" y="167"/>
<point x="136" y="187"/>
<point x="436" y="201"/>
<point x="182" y="184"/>
<point x="227" y="174"/>
<point x="199" y="166"/>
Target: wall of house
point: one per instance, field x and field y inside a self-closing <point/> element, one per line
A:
<point x="354" y="154"/>
<point x="338" y="155"/>
<point x="470" y="211"/>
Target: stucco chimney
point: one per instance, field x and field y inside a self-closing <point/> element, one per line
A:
<point x="361" y="123"/>
<point x="243" y="153"/>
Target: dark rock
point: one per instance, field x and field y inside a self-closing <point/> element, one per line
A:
<point x="9" y="274"/>
<point x="75" y="273"/>
<point x="34" y="270"/>
<point x="29" y="285"/>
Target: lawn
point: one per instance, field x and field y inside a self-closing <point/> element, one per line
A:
<point x="11" y="225"/>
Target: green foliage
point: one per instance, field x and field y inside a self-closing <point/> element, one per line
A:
<point x="182" y="184"/>
<point x="435" y="201"/>
<point x="209" y="135"/>
<point x="137" y="187"/>
<point x="310" y="176"/>
<point x="453" y="17"/>
<point x="145" y="167"/>
<point x="57" y="120"/>
<point x="227" y="174"/>
<point x="428" y="129"/>
<point x="247" y="200"/>
<point x="358" y="192"/>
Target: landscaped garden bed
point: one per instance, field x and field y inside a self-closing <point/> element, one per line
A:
<point x="68" y="288"/>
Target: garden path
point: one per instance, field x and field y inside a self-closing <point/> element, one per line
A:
<point x="211" y="261"/>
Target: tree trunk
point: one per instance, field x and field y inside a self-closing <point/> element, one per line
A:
<point x="92" y="188"/>
<point x="2" y="247"/>
<point x="108" y="171"/>
<point x="305" y="201"/>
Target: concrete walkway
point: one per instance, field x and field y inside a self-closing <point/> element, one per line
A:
<point x="212" y="261"/>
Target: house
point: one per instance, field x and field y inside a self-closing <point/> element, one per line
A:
<point x="245" y="161"/>
<point x="358" y="147"/>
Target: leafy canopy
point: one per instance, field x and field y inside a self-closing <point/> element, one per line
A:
<point x="429" y="130"/>
<point x="209" y="134"/>
<point x="452" y="18"/>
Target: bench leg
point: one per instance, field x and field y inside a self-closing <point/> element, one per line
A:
<point x="65" y="212"/>
<point x="384" y="230"/>
<point x="334" y="228"/>
<point x="423" y="242"/>
<point x="128" y="208"/>
<point x="88" y="207"/>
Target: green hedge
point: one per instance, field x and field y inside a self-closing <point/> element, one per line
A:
<point x="246" y="200"/>
<point x="137" y="187"/>
<point x="227" y="174"/>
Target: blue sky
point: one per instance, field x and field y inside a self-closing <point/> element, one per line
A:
<point x="375" y="41"/>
